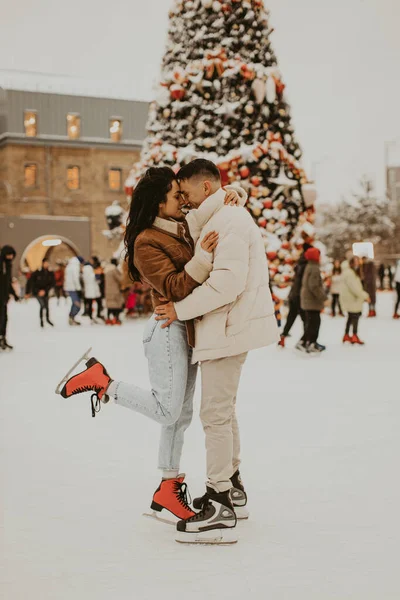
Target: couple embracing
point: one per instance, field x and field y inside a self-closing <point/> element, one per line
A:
<point x="209" y="278"/>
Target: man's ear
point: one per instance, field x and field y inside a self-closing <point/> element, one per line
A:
<point x="207" y="188"/>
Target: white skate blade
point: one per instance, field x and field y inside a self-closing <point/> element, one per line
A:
<point x="221" y="537"/>
<point x="168" y="519"/>
<point x="242" y="513"/>
<point x="85" y="357"/>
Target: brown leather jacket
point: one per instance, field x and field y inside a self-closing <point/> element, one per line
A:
<point x="161" y="254"/>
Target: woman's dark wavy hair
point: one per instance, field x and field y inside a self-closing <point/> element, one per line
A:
<point x="150" y="192"/>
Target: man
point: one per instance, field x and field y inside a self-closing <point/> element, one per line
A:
<point x="7" y="255"/>
<point x="39" y="285"/>
<point x="73" y="287"/>
<point x="238" y="316"/>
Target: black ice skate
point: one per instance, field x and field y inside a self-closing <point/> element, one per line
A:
<point x="315" y="348"/>
<point x="214" y="524"/>
<point x="238" y="497"/>
<point x="4" y="345"/>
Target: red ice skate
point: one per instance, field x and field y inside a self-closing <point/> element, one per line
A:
<point x="93" y="379"/>
<point x="347" y="338"/>
<point x="356" y="340"/>
<point x="172" y="496"/>
<point x="281" y="342"/>
<point x="396" y="316"/>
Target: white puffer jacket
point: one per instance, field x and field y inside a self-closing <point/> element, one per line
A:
<point x="235" y="300"/>
<point x="72" y="281"/>
<point x="90" y="286"/>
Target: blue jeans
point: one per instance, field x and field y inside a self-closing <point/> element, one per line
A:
<point x="76" y="303"/>
<point x="172" y="380"/>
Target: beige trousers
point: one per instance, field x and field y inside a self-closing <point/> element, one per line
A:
<point x="219" y="384"/>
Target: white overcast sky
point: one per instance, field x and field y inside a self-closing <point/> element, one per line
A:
<point x="340" y="61"/>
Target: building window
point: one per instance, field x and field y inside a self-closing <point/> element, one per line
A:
<point x="30" y="175"/>
<point x="73" y="178"/>
<point x="73" y="126"/>
<point x="115" y="179"/>
<point x="30" y="123"/>
<point x="115" y="130"/>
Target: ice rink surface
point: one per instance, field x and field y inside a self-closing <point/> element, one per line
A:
<point x="321" y="449"/>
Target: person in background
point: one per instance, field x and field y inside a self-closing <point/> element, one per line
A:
<point x="39" y="285"/>
<point x="22" y="280"/>
<point x="381" y="275"/>
<point x="91" y="289"/>
<point x="99" y="272"/>
<point x="294" y="298"/>
<point x="368" y="278"/>
<point x="73" y="287"/>
<point x="7" y="255"/>
<point x="278" y="303"/>
<point x="312" y="300"/>
<point x="114" y="296"/>
<point x="59" y="275"/>
<point x="390" y="271"/>
<point x="126" y="282"/>
<point x="397" y="283"/>
<point x="352" y="298"/>
<point x="335" y="287"/>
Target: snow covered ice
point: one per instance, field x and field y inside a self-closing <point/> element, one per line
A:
<point x="320" y="442"/>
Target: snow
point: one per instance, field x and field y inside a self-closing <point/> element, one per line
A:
<point x="319" y="442"/>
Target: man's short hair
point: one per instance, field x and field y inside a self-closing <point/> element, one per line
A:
<point x="200" y="167"/>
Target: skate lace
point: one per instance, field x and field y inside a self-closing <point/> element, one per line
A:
<point x="201" y="514"/>
<point x="94" y="399"/>
<point x="182" y="494"/>
<point x="96" y="406"/>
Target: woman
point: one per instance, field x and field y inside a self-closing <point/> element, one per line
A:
<point x="352" y="298"/>
<point x="367" y="273"/>
<point x="159" y="251"/>
<point x="335" y="287"/>
<point x="114" y="295"/>
<point x="91" y="289"/>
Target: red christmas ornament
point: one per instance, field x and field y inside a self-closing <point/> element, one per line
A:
<point x="268" y="204"/>
<point x="128" y="189"/>
<point x="279" y="85"/>
<point x="285" y="246"/>
<point x="177" y="91"/>
<point x="244" y="172"/>
<point x="224" y="170"/>
<point x="255" y="180"/>
<point x="271" y="255"/>
<point x="226" y="8"/>
<point x="262" y="222"/>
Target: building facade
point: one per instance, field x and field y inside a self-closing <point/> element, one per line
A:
<point x="65" y="158"/>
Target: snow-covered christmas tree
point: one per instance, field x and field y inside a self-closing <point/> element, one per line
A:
<point x="221" y="96"/>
